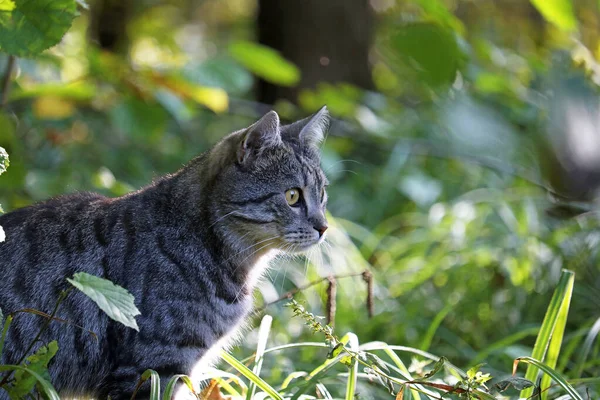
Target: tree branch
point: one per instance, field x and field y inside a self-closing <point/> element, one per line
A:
<point x="10" y="66"/>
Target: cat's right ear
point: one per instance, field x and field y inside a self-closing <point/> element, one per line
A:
<point x="262" y="134"/>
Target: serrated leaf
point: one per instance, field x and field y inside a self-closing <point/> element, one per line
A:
<point x="115" y="301"/>
<point x="32" y="26"/>
<point x="558" y="12"/>
<point x="514" y="381"/>
<point x="38" y="363"/>
<point x="265" y="62"/>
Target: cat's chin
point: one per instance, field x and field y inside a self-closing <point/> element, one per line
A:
<point x="295" y="248"/>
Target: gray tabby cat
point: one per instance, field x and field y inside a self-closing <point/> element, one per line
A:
<point x="189" y="247"/>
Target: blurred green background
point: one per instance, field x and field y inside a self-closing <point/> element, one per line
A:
<point x="464" y="155"/>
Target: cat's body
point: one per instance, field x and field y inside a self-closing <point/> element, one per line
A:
<point x="186" y="247"/>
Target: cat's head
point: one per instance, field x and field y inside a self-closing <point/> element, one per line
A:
<point x="269" y="190"/>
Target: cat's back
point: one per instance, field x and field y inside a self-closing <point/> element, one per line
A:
<point x="40" y="242"/>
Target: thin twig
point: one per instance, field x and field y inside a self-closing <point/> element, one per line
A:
<point x="10" y="66"/>
<point x="288" y="295"/>
<point x="48" y="316"/>
<point x="62" y="296"/>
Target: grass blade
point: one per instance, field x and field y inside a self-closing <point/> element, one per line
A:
<point x="242" y="369"/>
<point x="557" y="335"/>
<point x="170" y="389"/>
<point x="263" y="335"/>
<point x="4" y="331"/>
<point x="154" y="384"/>
<point x="558" y="378"/>
<point x="351" y="384"/>
<point x="543" y="340"/>
<point x="433" y="327"/>
<point x="585" y="349"/>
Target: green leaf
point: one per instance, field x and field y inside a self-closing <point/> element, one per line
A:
<point x="32" y="26"/>
<point x="171" y="385"/>
<point x="45" y="385"/>
<point x="558" y="378"/>
<point x="558" y="12"/>
<point x="7" y="5"/>
<point x="514" y="381"/>
<point x="263" y="335"/>
<point x="4" y="332"/>
<point x="115" y="301"/>
<point x="38" y="362"/>
<point x="353" y="373"/>
<point x="553" y="324"/>
<point x="429" y="49"/>
<point x="377" y="362"/>
<point x="557" y="334"/>
<point x="258" y="381"/>
<point x="265" y="63"/>
<point x="154" y="383"/>
<point x="336" y="351"/>
<point x="437" y="367"/>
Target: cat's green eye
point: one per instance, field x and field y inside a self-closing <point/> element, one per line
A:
<point x="292" y="196"/>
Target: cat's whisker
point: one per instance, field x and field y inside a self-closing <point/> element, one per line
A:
<point x="250" y="247"/>
<point x="339" y="162"/>
<point x="221" y="218"/>
<point x="348" y="170"/>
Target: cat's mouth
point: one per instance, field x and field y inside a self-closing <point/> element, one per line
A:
<point x="298" y="243"/>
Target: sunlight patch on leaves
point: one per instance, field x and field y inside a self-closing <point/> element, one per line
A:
<point x="7" y="5"/>
<point x="558" y="12"/>
<point x="115" y="301"/>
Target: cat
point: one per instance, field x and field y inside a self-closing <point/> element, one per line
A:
<point x="189" y="247"/>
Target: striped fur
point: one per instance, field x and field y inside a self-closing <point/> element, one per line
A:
<point x="185" y="246"/>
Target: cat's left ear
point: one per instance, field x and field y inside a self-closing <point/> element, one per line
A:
<point x="262" y="134"/>
<point x="313" y="132"/>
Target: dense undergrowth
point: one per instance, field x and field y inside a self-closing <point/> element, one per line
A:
<point x="457" y="212"/>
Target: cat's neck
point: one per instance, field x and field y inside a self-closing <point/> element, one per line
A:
<point x="183" y="200"/>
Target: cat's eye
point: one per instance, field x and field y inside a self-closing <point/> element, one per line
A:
<point x="292" y="196"/>
<point x="322" y="194"/>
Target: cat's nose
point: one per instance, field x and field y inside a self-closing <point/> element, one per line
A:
<point x="321" y="229"/>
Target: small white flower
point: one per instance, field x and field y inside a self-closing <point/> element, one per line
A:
<point x="2" y="235"/>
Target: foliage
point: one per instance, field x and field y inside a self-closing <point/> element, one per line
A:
<point x="392" y="374"/>
<point x="115" y="301"/>
<point x="450" y="183"/>
<point x="27" y="27"/>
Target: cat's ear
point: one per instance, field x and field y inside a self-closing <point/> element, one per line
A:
<point x="313" y="132"/>
<point x="262" y="134"/>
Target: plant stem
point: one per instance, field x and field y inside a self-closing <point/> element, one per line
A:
<point x="288" y="295"/>
<point x="62" y="296"/>
<point x="10" y="66"/>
